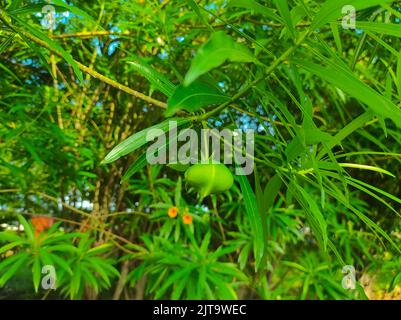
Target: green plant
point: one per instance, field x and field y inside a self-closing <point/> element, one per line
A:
<point x="78" y="102"/>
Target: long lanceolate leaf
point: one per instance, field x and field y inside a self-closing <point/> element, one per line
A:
<point x="314" y="215"/>
<point x="351" y="127"/>
<point x="52" y="44"/>
<point x="256" y="7"/>
<point x="12" y="74"/>
<point x="282" y="6"/>
<point x="371" y="224"/>
<point x="135" y="167"/>
<point x="27" y="227"/>
<point x="197" y="9"/>
<point x="138" y="139"/>
<point x="332" y="9"/>
<point x="252" y="213"/>
<point x="390" y="29"/>
<point x="141" y="161"/>
<point x="13" y="263"/>
<point x="159" y="81"/>
<point x="347" y="82"/>
<point x="6" y="43"/>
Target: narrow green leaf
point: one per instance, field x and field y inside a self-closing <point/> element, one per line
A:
<point x="337" y="37"/>
<point x="390" y="29"/>
<point x="315" y="218"/>
<point x="137" y="140"/>
<point x="36" y="272"/>
<point x="196" y="8"/>
<point x="179" y="166"/>
<point x="12" y="74"/>
<point x="9" y="236"/>
<point x="138" y="164"/>
<point x="54" y="45"/>
<point x="351" y="127"/>
<point x="366" y="167"/>
<point x="179" y="274"/>
<point x="256" y="7"/>
<point x="399" y="74"/>
<point x="253" y="216"/>
<point x="270" y="192"/>
<point x="75" y="281"/>
<point x="9" y="246"/>
<point x="332" y="10"/>
<point x="347" y="82"/>
<point x="6" y="43"/>
<point x="177" y="194"/>
<point x="18" y="261"/>
<point x="27" y="227"/>
<point x="282" y="6"/>
<point x="63" y="263"/>
<point x="159" y="81"/>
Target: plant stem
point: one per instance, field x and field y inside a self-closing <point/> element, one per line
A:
<point x="91" y="34"/>
<point x="269" y="70"/>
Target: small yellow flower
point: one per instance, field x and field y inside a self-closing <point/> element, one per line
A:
<point x="172" y="212"/>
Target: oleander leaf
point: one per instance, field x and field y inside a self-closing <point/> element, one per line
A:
<point x="357" y="89"/>
<point x="217" y="50"/>
<point x="332" y="10"/>
<point x="254" y="218"/>
<point x="256" y="7"/>
<point x="194" y="97"/>
<point x="138" y="139"/>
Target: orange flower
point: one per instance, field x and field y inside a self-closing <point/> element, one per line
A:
<point x="172" y="212"/>
<point x="41" y="223"/>
<point x="187" y="218"/>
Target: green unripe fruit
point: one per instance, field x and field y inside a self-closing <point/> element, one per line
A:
<point x="209" y="178"/>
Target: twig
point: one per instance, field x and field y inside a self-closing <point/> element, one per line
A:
<point x="91" y="34"/>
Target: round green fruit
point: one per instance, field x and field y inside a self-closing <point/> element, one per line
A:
<point x="209" y="178"/>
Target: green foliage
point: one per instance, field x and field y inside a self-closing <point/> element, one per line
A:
<point x="77" y="104"/>
<point x="202" y="276"/>
<point x="219" y="48"/>
<point x="137" y="140"/>
<point x="194" y="97"/>
<point x="76" y="265"/>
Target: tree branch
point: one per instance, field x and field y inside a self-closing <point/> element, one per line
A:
<point x="89" y="34"/>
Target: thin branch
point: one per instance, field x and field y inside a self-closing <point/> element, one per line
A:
<point x="90" y="34"/>
<point x="277" y="62"/>
<point x="9" y="190"/>
<point x="121" y="87"/>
